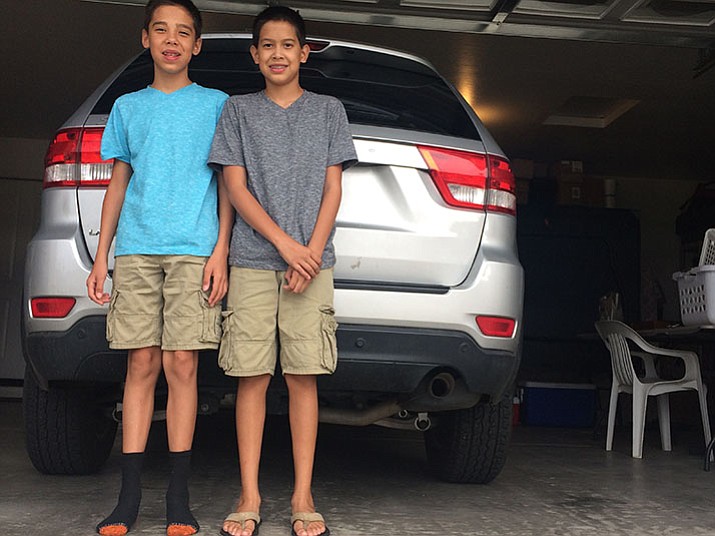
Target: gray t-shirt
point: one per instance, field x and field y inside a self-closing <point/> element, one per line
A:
<point x="285" y="153"/>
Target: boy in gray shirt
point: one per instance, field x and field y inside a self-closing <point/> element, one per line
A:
<point x="282" y="152"/>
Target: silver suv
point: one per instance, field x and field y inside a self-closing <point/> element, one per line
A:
<point x="429" y="288"/>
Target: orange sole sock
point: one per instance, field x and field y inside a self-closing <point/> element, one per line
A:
<point x="113" y="530"/>
<point x="180" y="530"/>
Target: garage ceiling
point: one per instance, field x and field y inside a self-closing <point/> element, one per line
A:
<point x="626" y="86"/>
<point x="661" y="22"/>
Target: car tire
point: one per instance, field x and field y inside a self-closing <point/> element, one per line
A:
<point x="470" y="445"/>
<point x="67" y="430"/>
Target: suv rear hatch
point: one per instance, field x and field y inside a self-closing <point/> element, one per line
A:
<point x="413" y="210"/>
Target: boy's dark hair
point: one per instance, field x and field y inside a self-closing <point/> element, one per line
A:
<point x="188" y="5"/>
<point x="279" y="13"/>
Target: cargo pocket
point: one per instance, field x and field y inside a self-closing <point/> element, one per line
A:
<point x="210" y="321"/>
<point x="328" y="327"/>
<point x="111" y="315"/>
<point x="224" y="351"/>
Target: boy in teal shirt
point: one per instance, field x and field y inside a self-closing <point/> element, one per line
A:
<point x="172" y="222"/>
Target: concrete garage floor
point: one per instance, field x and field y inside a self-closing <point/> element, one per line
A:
<point x="374" y="481"/>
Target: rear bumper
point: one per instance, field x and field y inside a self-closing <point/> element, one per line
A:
<point x="372" y="359"/>
<point x="398" y="360"/>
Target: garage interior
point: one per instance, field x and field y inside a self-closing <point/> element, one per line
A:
<point x="606" y="108"/>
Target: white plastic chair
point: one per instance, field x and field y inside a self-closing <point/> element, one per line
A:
<point x="616" y="335"/>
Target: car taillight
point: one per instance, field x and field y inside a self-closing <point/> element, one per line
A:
<point x="51" y="307"/>
<point x="496" y="326"/>
<point x="502" y="186"/>
<point x="472" y="180"/>
<point x="73" y="159"/>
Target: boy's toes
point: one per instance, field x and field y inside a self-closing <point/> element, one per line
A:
<point x="227" y="529"/>
<point x="316" y="528"/>
<point x="234" y="529"/>
<point x="249" y="528"/>
<point x="299" y="529"/>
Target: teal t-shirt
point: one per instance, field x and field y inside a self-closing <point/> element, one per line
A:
<point x="170" y="206"/>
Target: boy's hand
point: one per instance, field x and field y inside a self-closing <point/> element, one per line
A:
<point x="301" y="258"/>
<point x="294" y="282"/>
<point x="215" y="278"/>
<point x="95" y="283"/>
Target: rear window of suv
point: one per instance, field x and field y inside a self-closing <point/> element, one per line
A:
<point x="376" y="88"/>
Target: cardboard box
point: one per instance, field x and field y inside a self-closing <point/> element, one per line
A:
<point x="566" y="405"/>
<point x="580" y="190"/>
<point x="566" y="167"/>
<point x="569" y="190"/>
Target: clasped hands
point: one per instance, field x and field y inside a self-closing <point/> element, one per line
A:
<point x="303" y="265"/>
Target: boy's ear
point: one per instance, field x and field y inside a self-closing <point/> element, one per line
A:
<point x="304" y="52"/>
<point x="145" y="39"/>
<point x="197" y="47"/>
<point x="254" y="54"/>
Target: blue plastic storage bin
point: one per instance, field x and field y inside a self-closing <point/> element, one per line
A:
<point x="567" y="405"/>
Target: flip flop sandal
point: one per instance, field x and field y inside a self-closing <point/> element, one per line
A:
<point x="306" y="518"/>
<point x="242" y="517"/>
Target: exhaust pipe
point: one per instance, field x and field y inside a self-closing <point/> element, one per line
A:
<point x="441" y="386"/>
<point x="356" y="417"/>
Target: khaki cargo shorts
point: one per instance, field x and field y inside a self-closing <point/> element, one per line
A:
<point x="157" y="300"/>
<point x="260" y="314"/>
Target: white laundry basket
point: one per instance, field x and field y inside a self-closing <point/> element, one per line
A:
<point x="707" y="254"/>
<point x="696" y="291"/>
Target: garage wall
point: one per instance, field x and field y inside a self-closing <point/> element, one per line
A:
<point x="22" y="158"/>
<point x="658" y="204"/>
<point x="21" y="164"/>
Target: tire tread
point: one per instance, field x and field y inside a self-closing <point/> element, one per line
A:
<point x="65" y="431"/>
<point x="470" y="445"/>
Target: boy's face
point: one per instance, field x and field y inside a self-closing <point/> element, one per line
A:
<point x="171" y="39"/>
<point x="279" y="54"/>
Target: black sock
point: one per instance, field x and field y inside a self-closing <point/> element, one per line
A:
<point x="177" y="494"/>
<point x="127" y="509"/>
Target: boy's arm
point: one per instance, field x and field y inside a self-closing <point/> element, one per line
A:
<point x="111" y="207"/>
<point x="299" y="257"/>
<point x="216" y="269"/>
<point x="329" y="205"/>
